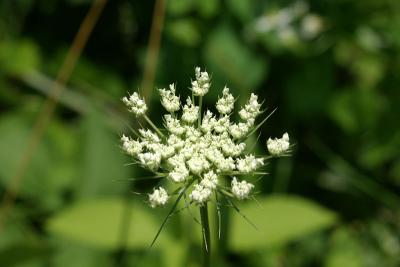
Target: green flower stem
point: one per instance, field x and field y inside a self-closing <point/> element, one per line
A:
<point x="153" y="126"/>
<point x="206" y="235"/>
<point x="200" y="104"/>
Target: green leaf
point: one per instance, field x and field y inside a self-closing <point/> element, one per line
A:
<point x="70" y="254"/>
<point x="232" y="63"/>
<point x="345" y="250"/>
<point x="280" y="219"/>
<point x="179" y="7"/>
<point x="97" y="222"/>
<point x="242" y="9"/>
<point x="19" y="57"/>
<point x="208" y="8"/>
<point x="184" y="31"/>
<point x="22" y="255"/>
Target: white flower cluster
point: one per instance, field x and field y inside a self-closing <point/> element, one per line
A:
<point x="278" y="146"/>
<point x="158" y="198"/>
<point x="290" y="24"/>
<point x="169" y="100"/>
<point x="197" y="149"/>
<point x="135" y="104"/>
<point x="201" y="85"/>
<point x="242" y="189"/>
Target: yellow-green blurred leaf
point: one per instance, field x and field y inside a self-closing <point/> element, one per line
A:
<point x="19" y="57"/>
<point x="97" y="222"/>
<point x="280" y="219"/>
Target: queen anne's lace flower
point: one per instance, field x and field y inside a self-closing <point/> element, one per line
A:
<point x="159" y="197"/>
<point x="278" y="146"/>
<point x="198" y="149"/>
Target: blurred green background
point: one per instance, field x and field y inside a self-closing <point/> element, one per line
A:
<point x="331" y="67"/>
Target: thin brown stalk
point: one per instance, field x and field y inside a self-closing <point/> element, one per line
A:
<point x="153" y="49"/>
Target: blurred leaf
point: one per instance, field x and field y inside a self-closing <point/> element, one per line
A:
<point x="242" y="9"/>
<point x="280" y="219"/>
<point x="233" y="63"/>
<point x="179" y="7"/>
<point x="184" y="31"/>
<point x="22" y="255"/>
<point x="208" y="8"/>
<point x="97" y="222"/>
<point x="375" y="155"/>
<point x="99" y="81"/>
<point x="19" y="57"/>
<point x="345" y="251"/>
<point x="356" y="110"/>
<point x="14" y="133"/>
<point x="103" y="170"/>
<point x="70" y="254"/>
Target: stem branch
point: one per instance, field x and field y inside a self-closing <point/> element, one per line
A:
<point x="153" y="126"/>
<point x="206" y="235"/>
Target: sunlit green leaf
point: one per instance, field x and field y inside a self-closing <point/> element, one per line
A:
<point x="98" y="222"/>
<point x="345" y="251"/>
<point x="280" y="219"/>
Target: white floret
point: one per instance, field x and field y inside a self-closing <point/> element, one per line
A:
<point x="210" y="180"/>
<point x="150" y="160"/>
<point x="149" y="136"/>
<point x="179" y="174"/>
<point x="226" y="102"/>
<point x="225" y="164"/>
<point x="252" y="109"/>
<point x="208" y="122"/>
<point x="135" y="104"/>
<point x="221" y="125"/>
<point x="176" y="142"/>
<point x="200" y="194"/>
<point x="173" y="125"/>
<point x="241" y="190"/>
<point x="248" y="164"/>
<point x="190" y="112"/>
<point x="201" y="85"/>
<point x="159" y="197"/>
<point x="198" y="163"/>
<point x="131" y="147"/>
<point x="278" y="146"/>
<point x="169" y="100"/>
<point x="239" y="130"/>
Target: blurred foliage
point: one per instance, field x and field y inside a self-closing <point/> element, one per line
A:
<point x="331" y="68"/>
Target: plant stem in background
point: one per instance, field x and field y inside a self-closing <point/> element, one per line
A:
<point x="206" y="235"/>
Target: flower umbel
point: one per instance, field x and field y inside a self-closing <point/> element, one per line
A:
<point x="199" y="153"/>
<point x="199" y="150"/>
